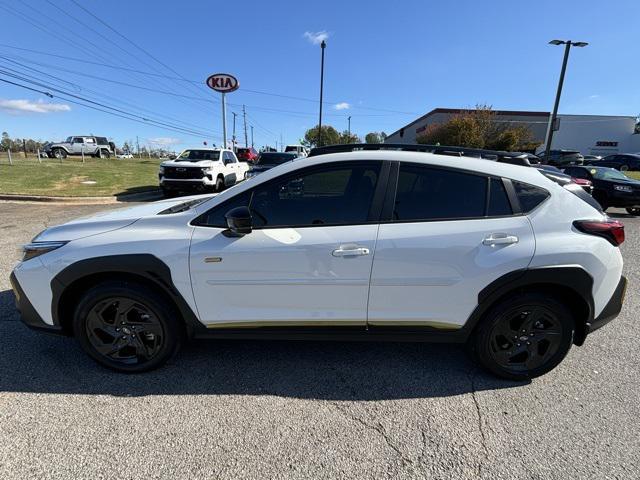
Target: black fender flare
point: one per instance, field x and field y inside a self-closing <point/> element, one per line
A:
<point x="572" y="279"/>
<point x="145" y="266"/>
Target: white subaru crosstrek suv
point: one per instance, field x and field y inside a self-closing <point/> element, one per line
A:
<point x="201" y="169"/>
<point x="386" y="245"/>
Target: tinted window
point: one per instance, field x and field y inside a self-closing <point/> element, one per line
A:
<point x="336" y="195"/>
<point x="215" y="216"/>
<point x="274" y="158"/>
<point x="428" y="193"/>
<point x="498" y="200"/>
<point x="530" y="197"/>
<point x="577" y="173"/>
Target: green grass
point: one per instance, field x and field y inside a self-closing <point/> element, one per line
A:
<point x="635" y="175"/>
<point x="55" y="178"/>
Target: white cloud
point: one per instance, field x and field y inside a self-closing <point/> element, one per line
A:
<point x="316" y="37"/>
<point x="594" y="96"/>
<point x="165" y="141"/>
<point x="342" y="106"/>
<point x="28" y="106"/>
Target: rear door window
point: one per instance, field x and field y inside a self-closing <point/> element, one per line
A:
<point x="427" y="193"/>
<point x="499" y="204"/>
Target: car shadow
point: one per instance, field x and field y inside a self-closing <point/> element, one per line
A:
<point x="146" y="193"/>
<point x="34" y="362"/>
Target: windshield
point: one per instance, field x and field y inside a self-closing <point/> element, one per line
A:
<point x="274" y="158"/>
<point x="68" y="140"/>
<point x="291" y="148"/>
<point x="198" y="155"/>
<point x="608" y="174"/>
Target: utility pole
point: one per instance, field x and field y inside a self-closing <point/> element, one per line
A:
<point x="251" y="136"/>
<point x="234" y="130"/>
<point x="138" y="145"/>
<point x="349" y="128"/>
<point x="322" y="47"/>
<point x="244" y="116"/>
<point x="552" y="121"/>
<point x="281" y="143"/>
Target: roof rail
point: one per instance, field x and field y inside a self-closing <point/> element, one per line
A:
<point x="517" y="158"/>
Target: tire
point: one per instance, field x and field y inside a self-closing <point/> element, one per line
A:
<point x="633" y="211"/>
<point x="624" y="168"/>
<point x="524" y="336"/>
<point x="219" y="184"/>
<point x="59" y="153"/>
<point x="104" y="153"/>
<point x="127" y="326"/>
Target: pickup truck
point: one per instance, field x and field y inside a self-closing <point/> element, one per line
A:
<point x="201" y="169"/>
<point x="77" y="145"/>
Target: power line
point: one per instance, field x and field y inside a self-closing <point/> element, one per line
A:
<point x="111" y="110"/>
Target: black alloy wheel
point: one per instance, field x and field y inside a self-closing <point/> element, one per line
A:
<point x="124" y="331"/>
<point x="525" y="337"/>
<point x="127" y="326"/>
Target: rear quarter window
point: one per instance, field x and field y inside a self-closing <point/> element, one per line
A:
<point x="529" y="196"/>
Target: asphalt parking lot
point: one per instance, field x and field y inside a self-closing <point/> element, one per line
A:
<point x="311" y="410"/>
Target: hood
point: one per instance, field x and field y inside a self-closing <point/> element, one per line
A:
<point x="190" y="164"/>
<point x="110" y="220"/>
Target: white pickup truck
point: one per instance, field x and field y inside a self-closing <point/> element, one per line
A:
<point x="201" y="169"/>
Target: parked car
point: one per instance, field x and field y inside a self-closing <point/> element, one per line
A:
<point x="201" y="169"/>
<point x="387" y="245"/>
<point x="268" y="160"/>
<point x="591" y="158"/>
<point x="586" y="185"/>
<point x="619" y="161"/>
<point x="78" y="145"/>
<point x="611" y="188"/>
<point x="246" y="154"/>
<point x="299" y="150"/>
<point x="561" y="158"/>
<point x="124" y="155"/>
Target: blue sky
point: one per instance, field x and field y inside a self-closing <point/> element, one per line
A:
<point x="386" y="63"/>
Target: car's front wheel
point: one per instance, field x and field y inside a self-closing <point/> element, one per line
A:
<point x="127" y="326"/>
<point x="524" y="337"/>
<point x="633" y="211"/>
<point x="219" y="184"/>
<point x="59" y="153"/>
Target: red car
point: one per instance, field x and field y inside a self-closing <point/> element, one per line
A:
<point x="247" y="154"/>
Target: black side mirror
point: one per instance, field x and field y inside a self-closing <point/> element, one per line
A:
<point x="239" y="221"/>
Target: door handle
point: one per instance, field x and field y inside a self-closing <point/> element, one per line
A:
<point x="350" y="251"/>
<point x="500" y="239"/>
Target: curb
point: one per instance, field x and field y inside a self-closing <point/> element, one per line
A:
<point x="132" y="197"/>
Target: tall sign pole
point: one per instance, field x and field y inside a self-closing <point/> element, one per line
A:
<point x="223" y="83"/>
<point x="322" y="47"/>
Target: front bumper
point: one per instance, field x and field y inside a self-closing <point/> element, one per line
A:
<point x="612" y="309"/>
<point x="199" y="184"/>
<point x="624" y="199"/>
<point x="28" y="314"/>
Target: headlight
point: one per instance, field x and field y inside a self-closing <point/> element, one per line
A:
<point x="623" y="188"/>
<point x="35" y="249"/>
<point x="206" y="169"/>
<point x="161" y="171"/>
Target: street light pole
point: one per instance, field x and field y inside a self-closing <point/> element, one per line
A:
<point x="554" y="115"/>
<point x="322" y="47"/>
<point x="349" y="127"/>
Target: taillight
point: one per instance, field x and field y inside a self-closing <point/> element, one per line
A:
<point x="612" y="230"/>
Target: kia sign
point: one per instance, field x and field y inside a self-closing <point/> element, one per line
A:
<point x="223" y="82"/>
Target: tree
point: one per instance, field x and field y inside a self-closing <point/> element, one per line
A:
<point x="330" y="136"/>
<point x="375" y="137"/>
<point x="479" y="129"/>
<point x="346" y="137"/>
<point x="5" y="143"/>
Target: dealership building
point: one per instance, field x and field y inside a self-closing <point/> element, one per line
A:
<point x="589" y="134"/>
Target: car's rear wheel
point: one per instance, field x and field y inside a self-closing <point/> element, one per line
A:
<point x="102" y="153"/>
<point x="127" y="327"/>
<point x="524" y="337"/>
<point x="59" y="153"/>
<point x="624" y="168"/>
<point x="633" y="211"/>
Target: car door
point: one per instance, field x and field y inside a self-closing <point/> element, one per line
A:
<point x="308" y="259"/>
<point x="230" y="171"/>
<point x="451" y="233"/>
<point x="77" y="145"/>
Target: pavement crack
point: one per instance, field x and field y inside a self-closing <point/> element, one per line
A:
<point x="480" y="421"/>
<point x="376" y="427"/>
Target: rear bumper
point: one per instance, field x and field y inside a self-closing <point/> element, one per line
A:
<point x="612" y="309"/>
<point x="28" y="314"/>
